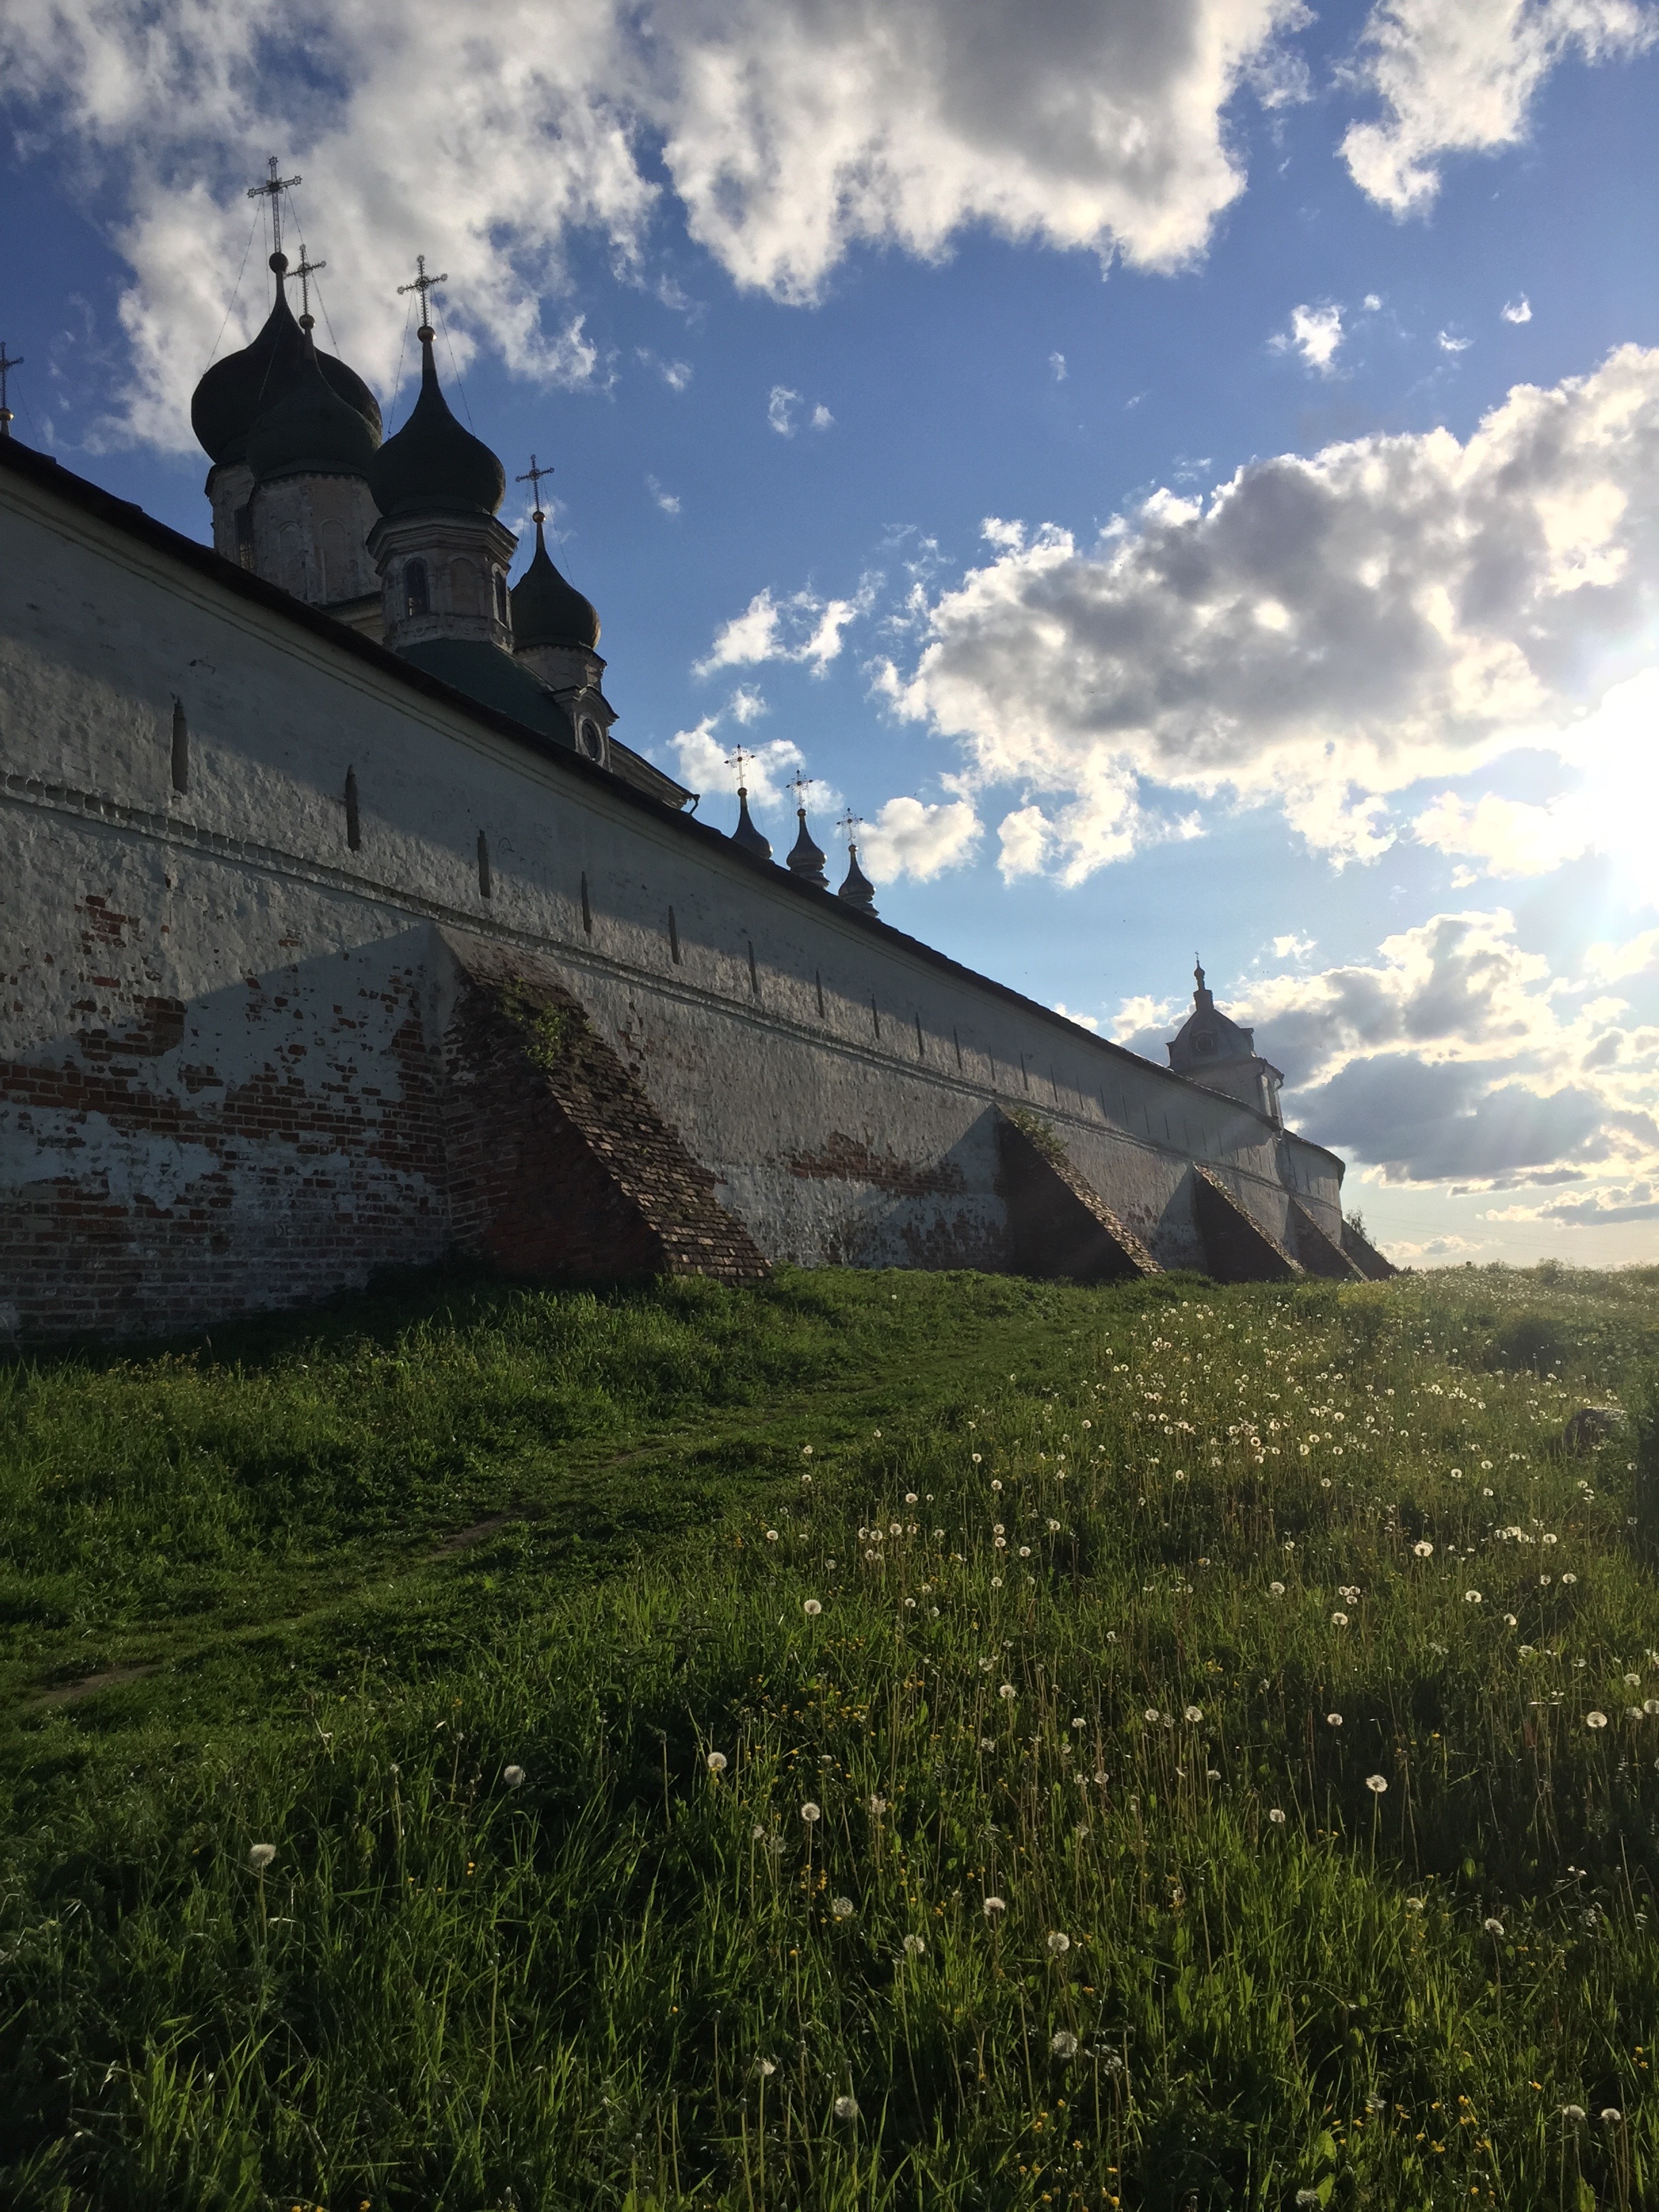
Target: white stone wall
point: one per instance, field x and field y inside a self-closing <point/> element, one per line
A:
<point x="840" y="1082"/>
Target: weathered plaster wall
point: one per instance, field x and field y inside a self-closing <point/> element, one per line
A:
<point x="223" y="1033"/>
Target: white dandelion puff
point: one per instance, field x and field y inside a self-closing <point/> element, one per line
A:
<point x="261" y="1857"/>
<point x="812" y="1608"/>
<point x="1376" y="1783"/>
<point x="1063" y="2043"/>
<point x="847" y="2108"/>
<point x="513" y="1776"/>
<point x="717" y="1762"/>
<point x="992" y="1906"/>
<point x="1059" y="1945"/>
<point x="810" y="1811"/>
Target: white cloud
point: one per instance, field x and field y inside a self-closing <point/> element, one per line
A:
<point x="1144" y="1017"/>
<point x="784" y="412"/>
<point x="1436" y="1248"/>
<point x="669" y="502"/>
<point x="801" y="628"/>
<point x="1315" y="333"/>
<point x="1460" y="77"/>
<point x="1448" y="343"/>
<point x="1322" y="633"/>
<point x="1083" y="1021"/>
<point x="706" y="764"/>
<point x="1057" y="366"/>
<point x="675" y="375"/>
<point x="789" y="131"/>
<point x="1292" y="947"/>
<point x="1517" y="311"/>
<point x="910" y="838"/>
<point x="746" y="705"/>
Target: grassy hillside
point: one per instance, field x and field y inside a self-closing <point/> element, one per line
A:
<point x="881" y="1741"/>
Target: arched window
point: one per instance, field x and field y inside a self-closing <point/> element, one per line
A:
<point x="588" y="738"/>
<point x="464" y="589"/>
<point x="417" y="595"/>
<point x="501" y="613"/>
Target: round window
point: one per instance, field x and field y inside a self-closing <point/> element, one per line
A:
<point x="590" y="740"/>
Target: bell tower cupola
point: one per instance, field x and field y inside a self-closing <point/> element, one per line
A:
<point x="440" y="554"/>
<point x="555" y="635"/>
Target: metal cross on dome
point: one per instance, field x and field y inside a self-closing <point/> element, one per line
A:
<point x="800" y="785"/>
<point x="532" y="475"/>
<point x="306" y="269"/>
<point x="739" y="759"/>
<point x="272" y="190"/>
<point x="422" y="284"/>
<point x="849" y="823"/>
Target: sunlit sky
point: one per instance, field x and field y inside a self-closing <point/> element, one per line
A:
<point x="1184" y="472"/>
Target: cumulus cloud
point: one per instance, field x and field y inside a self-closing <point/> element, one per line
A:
<point x="1517" y="311"/>
<point x="788" y="132"/>
<point x="1460" y="77"/>
<point x="1322" y="632"/>
<point x="908" y="837"/>
<point x="801" y="627"/>
<point x="707" y="763"/>
<point x="669" y="502"/>
<point x="1057" y="366"/>
<point x="1083" y="1021"/>
<point x="1458" y="1056"/>
<point x="1315" y="333"/>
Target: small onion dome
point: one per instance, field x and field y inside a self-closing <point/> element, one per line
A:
<point x="235" y="391"/>
<point x="858" y="889"/>
<point x="432" y="464"/>
<point x="745" y="835"/>
<point x="548" y="610"/>
<point x="312" y="432"/>
<point x="805" y="859"/>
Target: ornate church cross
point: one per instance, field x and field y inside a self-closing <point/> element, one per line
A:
<point x="532" y="475"/>
<point x="272" y="190"/>
<point x="7" y="364"/>
<point x="307" y="269"/>
<point x="849" y="823"/>
<point x="423" y="283"/>
<point x="800" y="785"/>
<point x="739" y="758"/>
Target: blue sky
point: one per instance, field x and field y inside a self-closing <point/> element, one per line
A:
<point x="1185" y="472"/>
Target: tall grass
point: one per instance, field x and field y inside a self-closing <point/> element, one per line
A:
<point x="986" y="1816"/>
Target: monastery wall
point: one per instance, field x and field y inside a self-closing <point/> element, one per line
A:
<point x="239" y="852"/>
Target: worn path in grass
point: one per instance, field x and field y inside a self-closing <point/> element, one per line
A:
<point x="533" y="1516"/>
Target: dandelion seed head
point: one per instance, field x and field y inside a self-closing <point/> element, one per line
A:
<point x="1423" y="1550"/>
<point x="1338" y="1620"/>
<point x="1595" y="1720"/>
<point x="1492" y="1927"/>
<point x="847" y="2108"/>
<point x="1195" y="1712"/>
<point x="915" y="1945"/>
<point x="1376" y="1783"/>
<point x="810" y="1811"/>
<point x="1472" y="1597"/>
<point x="992" y="1906"/>
<point x="1063" y="2043"/>
<point x="513" y="1776"/>
<point x="1277" y="1817"/>
<point x="1275" y="1589"/>
<point x="261" y="1857"/>
<point x="843" y="1908"/>
<point x="1059" y="1945"/>
<point x="1612" y="2114"/>
<point x="766" y="2067"/>
<point x="717" y="1762"/>
<point x="812" y="1608"/>
<point x="1333" y="1720"/>
<point x="1573" y="2112"/>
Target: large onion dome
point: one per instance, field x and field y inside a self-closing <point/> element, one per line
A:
<point x="311" y="432"/>
<point x="432" y="464"/>
<point x="546" y="609"/>
<point x="235" y="391"/>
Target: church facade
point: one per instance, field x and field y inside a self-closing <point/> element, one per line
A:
<point x="343" y="932"/>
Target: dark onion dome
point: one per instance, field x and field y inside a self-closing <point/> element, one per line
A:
<point x="805" y="859"/>
<point x="311" y="432"/>
<point x="745" y="835"/>
<point x="858" y="889"/>
<point x="235" y="391"/>
<point x="548" y="610"/>
<point x="433" y="465"/>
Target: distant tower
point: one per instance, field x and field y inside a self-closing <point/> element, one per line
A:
<point x="805" y="860"/>
<point x="1221" y="1056"/>
<point x="7" y="364"/>
<point x="556" y="634"/>
<point x="440" y="554"/>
